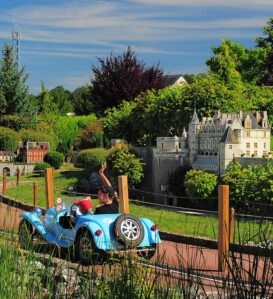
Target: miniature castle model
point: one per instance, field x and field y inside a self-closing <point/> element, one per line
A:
<point x="210" y="144"/>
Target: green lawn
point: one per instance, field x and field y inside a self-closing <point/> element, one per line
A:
<point x="174" y="222"/>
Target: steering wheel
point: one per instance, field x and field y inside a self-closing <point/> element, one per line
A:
<point x="73" y="209"/>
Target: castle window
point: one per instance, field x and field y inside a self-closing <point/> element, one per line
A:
<point x="264" y="124"/>
<point x="247" y="134"/>
<point x="255" y="153"/>
<point x="264" y="134"/>
<point x="230" y="146"/>
<point x="264" y="153"/>
<point x="248" y="145"/>
<point x="255" y="145"/>
<point x="247" y="124"/>
<point x="264" y="145"/>
<point x="247" y="153"/>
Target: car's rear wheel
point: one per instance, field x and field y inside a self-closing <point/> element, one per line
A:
<point x="85" y="248"/>
<point x="25" y="234"/>
<point x="148" y="254"/>
<point x="128" y="230"/>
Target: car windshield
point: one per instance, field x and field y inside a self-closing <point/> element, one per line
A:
<point x="64" y="203"/>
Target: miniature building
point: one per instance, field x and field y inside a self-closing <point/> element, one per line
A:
<point x="34" y="152"/>
<point x="6" y="156"/>
<point x="173" y="80"/>
<point x="210" y="144"/>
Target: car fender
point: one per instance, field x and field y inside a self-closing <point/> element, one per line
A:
<point x="102" y="241"/>
<point x="153" y="236"/>
<point x="35" y="221"/>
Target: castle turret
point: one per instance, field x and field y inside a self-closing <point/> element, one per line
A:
<point x="194" y="128"/>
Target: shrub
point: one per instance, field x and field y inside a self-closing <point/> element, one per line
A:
<point x="91" y="136"/>
<point x="125" y="161"/>
<point x="200" y="184"/>
<point x="8" y="139"/>
<point x="93" y="158"/>
<point x="31" y="135"/>
<point x="16" y="122"/>
<point x="55" y="159"/>
<point x="40" y="168"/>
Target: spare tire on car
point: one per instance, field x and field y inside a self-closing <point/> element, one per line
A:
<point x="128" y="230"/>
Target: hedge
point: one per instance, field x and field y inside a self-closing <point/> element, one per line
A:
<point x="93" y="158"/>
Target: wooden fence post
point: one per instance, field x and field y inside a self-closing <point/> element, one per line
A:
<point x="49" y="188"/>
<point x="123" y="194"/>
<point x="223" y="230"/>
<point x="17" y="176"/>
<point x="231" y="224"/>
<point x="35" y="194"/>
<point x="4" y="187"/>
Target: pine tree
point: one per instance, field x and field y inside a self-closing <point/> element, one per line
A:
<point x="45" y="101"/>
<point x="14" y="97"/>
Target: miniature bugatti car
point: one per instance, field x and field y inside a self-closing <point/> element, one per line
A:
<point x="91" y="235"/>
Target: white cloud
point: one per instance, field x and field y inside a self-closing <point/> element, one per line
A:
<point x="204" y="3"/>
<point x="112" y="23"/>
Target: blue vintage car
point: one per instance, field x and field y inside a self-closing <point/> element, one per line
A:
<point x="91" y="235"/>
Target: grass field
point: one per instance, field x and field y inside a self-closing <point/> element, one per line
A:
<point x="174" y="222"/>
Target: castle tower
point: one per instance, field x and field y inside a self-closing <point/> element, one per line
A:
<point x="194" y="128"/>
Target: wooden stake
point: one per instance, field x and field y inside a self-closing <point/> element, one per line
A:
<point x="35" y="194"/>
<point x="223" y="231"/>
<point x="123" y="194"/>
<point x="231" y="224"/>
<point x="49" y="188"/>
<point x="4" y="187"/>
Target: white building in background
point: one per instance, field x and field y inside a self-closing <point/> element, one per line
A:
<point x="212" y="142"/>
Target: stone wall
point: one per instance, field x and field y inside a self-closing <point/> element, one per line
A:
<point x="12" y="168"/>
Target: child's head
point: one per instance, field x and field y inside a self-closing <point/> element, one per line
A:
<point x="85" y="205"/>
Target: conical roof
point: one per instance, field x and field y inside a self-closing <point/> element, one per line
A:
<point x="229" y="136"/>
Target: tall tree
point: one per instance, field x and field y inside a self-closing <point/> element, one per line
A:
<point x="62" y="98"/>
<point x="122" y="78"/>
<point x="82" y="101"/>
<point x="248" y="62"/>
<point x="266" y="43"/>
<point x="46" y="102"/>
<point x="14" y="97"/>
<point x="223" y="66"/>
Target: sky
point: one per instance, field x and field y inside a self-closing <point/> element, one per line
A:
<point x="60" y="40"/>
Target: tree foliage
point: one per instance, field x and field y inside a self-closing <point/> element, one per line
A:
<point x="121" y="78"/>
<point x="46" y="103"/>
<point x="266" y="43"/>
<point x="91" y="136"/>
<point x="81" y="99"/>
<point x="61" y="97"/>
<point x="232" y="61"/>
<point x="14" y="97"/>
<point x="249" y="185"/>
<point x="9" y="139"/>
<point x="124" y="161"/>
<point x="200" y="184"/>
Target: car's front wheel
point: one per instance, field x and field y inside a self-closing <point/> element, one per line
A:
<point x="25" y="234"/>
<point x="85" y="248"/>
